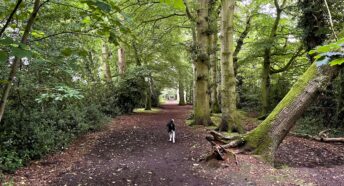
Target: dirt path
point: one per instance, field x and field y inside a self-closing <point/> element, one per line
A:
<point x="134" y="150"/>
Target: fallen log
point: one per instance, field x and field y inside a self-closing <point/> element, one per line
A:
<point x="322" y="137"/>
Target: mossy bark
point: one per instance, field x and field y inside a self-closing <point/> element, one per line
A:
<point x="213" y="27"/>
<point x="201" y="104"/>
<point x="228" y="81"/>
<point x="266" y="138"/>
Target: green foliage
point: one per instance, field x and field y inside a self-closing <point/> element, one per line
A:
<point x="34" y="133"/>
<point x="60" y="93"/>
<point x="331" y="54"/>
<point x="313" y="125"/>
<point x="178" y="4"/>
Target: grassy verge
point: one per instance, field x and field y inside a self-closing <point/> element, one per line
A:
<point x="142" y="110"/>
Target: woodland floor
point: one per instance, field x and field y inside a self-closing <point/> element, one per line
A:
<point x="134" y="150"/>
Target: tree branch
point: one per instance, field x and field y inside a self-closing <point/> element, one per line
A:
<point x="290" y="62"/>
<point x="330" y="18"/>
<point x="188" y="13"/>
<point x="9" y="19"/>
<point x="68" y="32"/>
<point x="163" y="17"/>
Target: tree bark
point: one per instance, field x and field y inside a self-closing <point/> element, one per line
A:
<point x="228" y="81"/>
<point x="266" y="138"/>
<point x="201" y="104"/>
<point x="106" y="62"/>
<point x="181" y="93"/>
<point x="240" y="42"/>
<point x="265" y="81"/>
<point x="121" y="61"/>
<point x="16" y="62"/>
<point x="214" y="102"/>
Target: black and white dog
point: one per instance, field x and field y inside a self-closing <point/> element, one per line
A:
<point x="171" y="128"/>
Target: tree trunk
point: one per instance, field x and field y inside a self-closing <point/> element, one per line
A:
<point x="190" y="94"/>
<point x="201" y="104"/>
<point x="228" y="81"/>
<point x="121" y="61"/>
<point x="16" y="62"/>
<point x="240" y="42"/>
<point x="340" y="101"/>
<point x="265" y="84"/>
<point x="265" y="81"/>
<point x="106" y="62"/>
<point x="215" y="107"/>
<point x="148" y="104"/>
<point x="239" y="45"/>
<point x="266" y="138"/>
<point x="181" y="93"/>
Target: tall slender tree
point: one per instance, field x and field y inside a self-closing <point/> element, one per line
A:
<point x="17" y="60"/>
<point x="106" y="62"/>
<point x="121" y="61"/>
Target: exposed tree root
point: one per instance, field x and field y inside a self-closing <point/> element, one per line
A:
<point x="224" y="147"/>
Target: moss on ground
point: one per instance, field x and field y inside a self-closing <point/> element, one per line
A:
<point x="142" y="110"/>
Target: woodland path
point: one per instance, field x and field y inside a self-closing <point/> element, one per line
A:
<point x="134" y="150"/>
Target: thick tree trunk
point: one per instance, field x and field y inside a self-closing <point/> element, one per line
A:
<point x="213" y="58"/>
<point x="121" y="61"/>
<point x="106" y="63"/>
<point x="16" y="62"/>
<point x="266" y="138"/>
<point x="228" y="81"/>
<point x="201" y="104"/>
